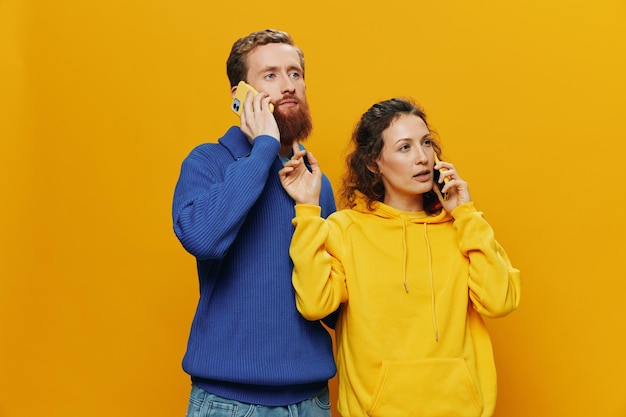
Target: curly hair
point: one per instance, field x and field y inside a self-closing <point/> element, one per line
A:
<point x="367" y="143"/>
<point x="236" y="65"/>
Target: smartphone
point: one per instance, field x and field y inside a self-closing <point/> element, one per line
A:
<point x="437" y="174"/>
<point x="240" y="96"/>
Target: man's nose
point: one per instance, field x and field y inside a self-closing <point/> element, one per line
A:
<point x="288" y="86"/>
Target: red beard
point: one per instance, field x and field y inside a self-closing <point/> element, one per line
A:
<point x="294" y="124"/>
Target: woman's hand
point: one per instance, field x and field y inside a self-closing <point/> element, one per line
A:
<point x="456" y="189"/>
<point x="302" y="185"/>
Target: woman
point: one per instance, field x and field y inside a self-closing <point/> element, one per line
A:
<point x="414" y="273"/>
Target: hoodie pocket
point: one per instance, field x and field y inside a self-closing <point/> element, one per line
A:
<point x="427" y="388"/>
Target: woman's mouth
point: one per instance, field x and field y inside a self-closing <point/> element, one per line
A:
<point x="423" y="176"/>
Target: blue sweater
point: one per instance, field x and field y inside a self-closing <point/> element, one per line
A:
<point x="247" y="341"/>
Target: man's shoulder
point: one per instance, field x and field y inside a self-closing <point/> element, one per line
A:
<point x="208" y="151"/>
<point x="219" y="148"/>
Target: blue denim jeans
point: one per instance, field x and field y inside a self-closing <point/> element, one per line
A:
<point x="204" y="404"/>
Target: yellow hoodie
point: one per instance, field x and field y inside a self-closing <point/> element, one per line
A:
<point x="412" y="288"/>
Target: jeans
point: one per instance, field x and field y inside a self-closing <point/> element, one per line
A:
<point x="204" y="404"/>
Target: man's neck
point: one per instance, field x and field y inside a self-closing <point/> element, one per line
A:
<point x="286" y="151"/>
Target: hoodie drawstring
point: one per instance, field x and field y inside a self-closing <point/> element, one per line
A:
<point x="430" y="273"/>
<point x="406" y="286"/>
<point x="432" y="284"/>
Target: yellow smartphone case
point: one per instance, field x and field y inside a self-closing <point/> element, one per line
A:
<point x="240" y="97"/>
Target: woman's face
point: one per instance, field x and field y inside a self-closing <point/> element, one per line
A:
<point x="406" y="163"/>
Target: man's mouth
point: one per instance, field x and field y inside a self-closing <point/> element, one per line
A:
<point x="289" y="101"/>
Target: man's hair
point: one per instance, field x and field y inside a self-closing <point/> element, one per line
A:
<point x="236" y="65"/>
<point x="367" y="143"/>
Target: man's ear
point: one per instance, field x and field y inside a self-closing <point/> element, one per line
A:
<point x="233" y="90"/>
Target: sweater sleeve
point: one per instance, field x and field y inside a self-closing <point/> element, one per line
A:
<point x="494" y="285"/>
<point x="318" y="276"/>
<point x="210" y="205"/>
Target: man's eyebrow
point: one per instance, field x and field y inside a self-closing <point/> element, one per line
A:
<point x="269" y="68"/>
<point x="275" y="68"/>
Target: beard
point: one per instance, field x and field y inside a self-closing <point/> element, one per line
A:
<point x="294" y="124"/>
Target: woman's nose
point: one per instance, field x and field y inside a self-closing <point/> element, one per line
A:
<point x="421" y="157"/>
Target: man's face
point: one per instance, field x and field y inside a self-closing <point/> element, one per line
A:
<point x="275" y="69"/>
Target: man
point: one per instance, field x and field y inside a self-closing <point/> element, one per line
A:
<point x="250" y="352"/>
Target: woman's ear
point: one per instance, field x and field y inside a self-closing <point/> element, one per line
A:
<point x="373" y="168"/>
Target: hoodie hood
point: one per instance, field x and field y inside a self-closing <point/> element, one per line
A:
<point x="387" y="212"/>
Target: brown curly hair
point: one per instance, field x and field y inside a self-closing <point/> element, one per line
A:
<point x="236" y="65"/>
<point x="367" y="143"/>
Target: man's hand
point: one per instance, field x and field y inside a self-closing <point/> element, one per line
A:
<point x="256" y="117"/>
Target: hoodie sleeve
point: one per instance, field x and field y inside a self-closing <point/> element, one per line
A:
<point x="494" y="285"/>
<point x="318" y="276"/>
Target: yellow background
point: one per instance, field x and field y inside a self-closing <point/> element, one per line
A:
<point x="101" y="101"/>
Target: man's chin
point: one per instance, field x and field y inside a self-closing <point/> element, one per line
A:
<point x="294" y="124"/>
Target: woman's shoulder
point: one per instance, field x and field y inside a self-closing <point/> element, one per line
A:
<point x="347" y="216"/>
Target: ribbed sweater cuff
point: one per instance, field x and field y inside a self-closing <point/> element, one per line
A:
<point x="276" y="396"/>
